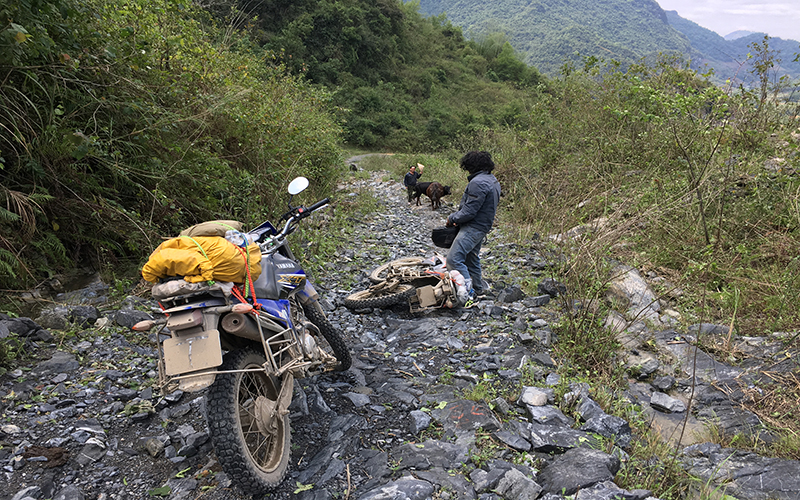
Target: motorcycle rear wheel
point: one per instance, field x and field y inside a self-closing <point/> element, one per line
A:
<point x="368" y="298"/>
<point x="254" y="454"/>
<point x="379" y="273"/>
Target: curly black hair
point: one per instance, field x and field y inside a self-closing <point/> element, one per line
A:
<point x="476" y="161"/>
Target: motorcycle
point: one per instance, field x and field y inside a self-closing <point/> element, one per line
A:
<point x="425" y="283"/>
<point x="268" y="341"/>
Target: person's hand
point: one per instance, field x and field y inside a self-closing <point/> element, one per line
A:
<point x="448" y="223"/>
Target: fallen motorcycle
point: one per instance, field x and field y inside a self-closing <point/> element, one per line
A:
<point x="425" y="283"/>
<point x="268" y="341"/>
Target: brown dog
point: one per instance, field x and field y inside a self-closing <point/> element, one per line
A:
<point x="435" y="192"/>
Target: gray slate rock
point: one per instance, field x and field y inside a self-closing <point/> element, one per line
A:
<point x="515" y="486"/>
<point x="610" y="427"/>
<point x="405" y="488"/>
<point x="453" y="483"/>
<point x="419" y="421"/>
<point x="665" y="403"/>
<point x="60" y="362"/>
<point x="513" y="440"/>
<point x="548" y="415"/>
<point x="551" y="287"/>
<point x="69" y="493"/>
<point x="577" y="469"/>
<point x="465" y="416"/>
<point x="743" y="475"/>
<point x="431" y="453"/>
<point x="552" y="438"/>
<point x="126" y="318"/>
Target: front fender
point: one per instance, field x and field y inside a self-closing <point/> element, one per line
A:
<point x="308" y="294"/>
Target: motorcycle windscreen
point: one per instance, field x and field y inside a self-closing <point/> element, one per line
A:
<point x="279" y="277"/>
<point x="265" y="229"/>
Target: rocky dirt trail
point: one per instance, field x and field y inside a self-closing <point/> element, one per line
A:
<point x="412" y="418"/>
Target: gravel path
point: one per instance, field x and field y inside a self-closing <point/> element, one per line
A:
<point x="451" y="403"/>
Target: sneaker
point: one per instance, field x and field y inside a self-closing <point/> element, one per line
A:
<point x="471" y="300"/>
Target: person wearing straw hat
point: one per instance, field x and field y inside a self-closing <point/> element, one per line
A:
<point x="410" y="180"/>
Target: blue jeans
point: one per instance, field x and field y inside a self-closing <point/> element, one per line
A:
<point x="464" y="255"/>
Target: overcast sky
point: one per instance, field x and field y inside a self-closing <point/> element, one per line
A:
<point x="777" y="18"/>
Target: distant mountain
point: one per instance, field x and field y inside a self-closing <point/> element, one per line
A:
<point x="547" y="32"/>
<point x="738" y="34"/>
<point x="728" y="56"/>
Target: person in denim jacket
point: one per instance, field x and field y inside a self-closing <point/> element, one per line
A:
<point x="474" y="217"/>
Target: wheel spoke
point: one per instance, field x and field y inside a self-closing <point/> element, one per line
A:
<point x="256" y="454"/>
<point x="264" y="449"/>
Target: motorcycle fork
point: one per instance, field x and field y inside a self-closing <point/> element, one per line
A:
<point x="293" y="340"/>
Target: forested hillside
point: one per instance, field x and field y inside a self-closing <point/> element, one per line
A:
<point x="548" y="32"/>
<point x="398" y="79"/>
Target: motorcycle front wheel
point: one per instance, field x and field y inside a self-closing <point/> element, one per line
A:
<point x="252" y="446"/>
<point x="316" y="315"/>
<point x="410" y="263"/>
<point x="369" y="298"/>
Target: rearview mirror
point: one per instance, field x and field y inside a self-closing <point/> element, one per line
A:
<point x="298" y="185"/>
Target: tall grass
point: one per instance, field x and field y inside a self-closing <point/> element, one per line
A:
<point x="657" y="154"/>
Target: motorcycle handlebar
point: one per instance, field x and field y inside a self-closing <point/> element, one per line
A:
<point x="292" y="218"/>
<point x="319" y="204"/>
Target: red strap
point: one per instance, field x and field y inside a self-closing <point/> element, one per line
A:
<point x="246" y="257"/>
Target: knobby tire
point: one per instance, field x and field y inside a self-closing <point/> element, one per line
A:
<point x="316" y="315"/>
<point x="367" y="299"/>
<point x="254" y="462"/>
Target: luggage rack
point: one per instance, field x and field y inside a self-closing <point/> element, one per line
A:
<point x="217" y="294"/>
<point x="181" y="300"/>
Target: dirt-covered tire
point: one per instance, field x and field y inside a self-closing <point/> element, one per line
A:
<point x="316" y="315"/>
<point x="255" y="462"/>
<point x="367" y="298"/>
<point x="379" y="273"/>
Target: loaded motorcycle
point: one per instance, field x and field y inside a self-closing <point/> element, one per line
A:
<point x="425" y="283"/>
<point x="268" y="341"/>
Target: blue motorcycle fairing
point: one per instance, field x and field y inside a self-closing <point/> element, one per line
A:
<point x="293" y="280"/>
<point x="196" y="305"/>
<point x="280" y="277"/>
<point x="279" y="309"/>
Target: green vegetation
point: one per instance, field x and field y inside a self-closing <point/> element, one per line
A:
<point x="136" y="123"/>
<point x="399" y="81"/>
<point x="126" y="122"/>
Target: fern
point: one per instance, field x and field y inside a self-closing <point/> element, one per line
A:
<point x="50" y="247"/>
<point x="8" y="216"/>
<point x="40" y="198"/>
<point x="8" y="261"/>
